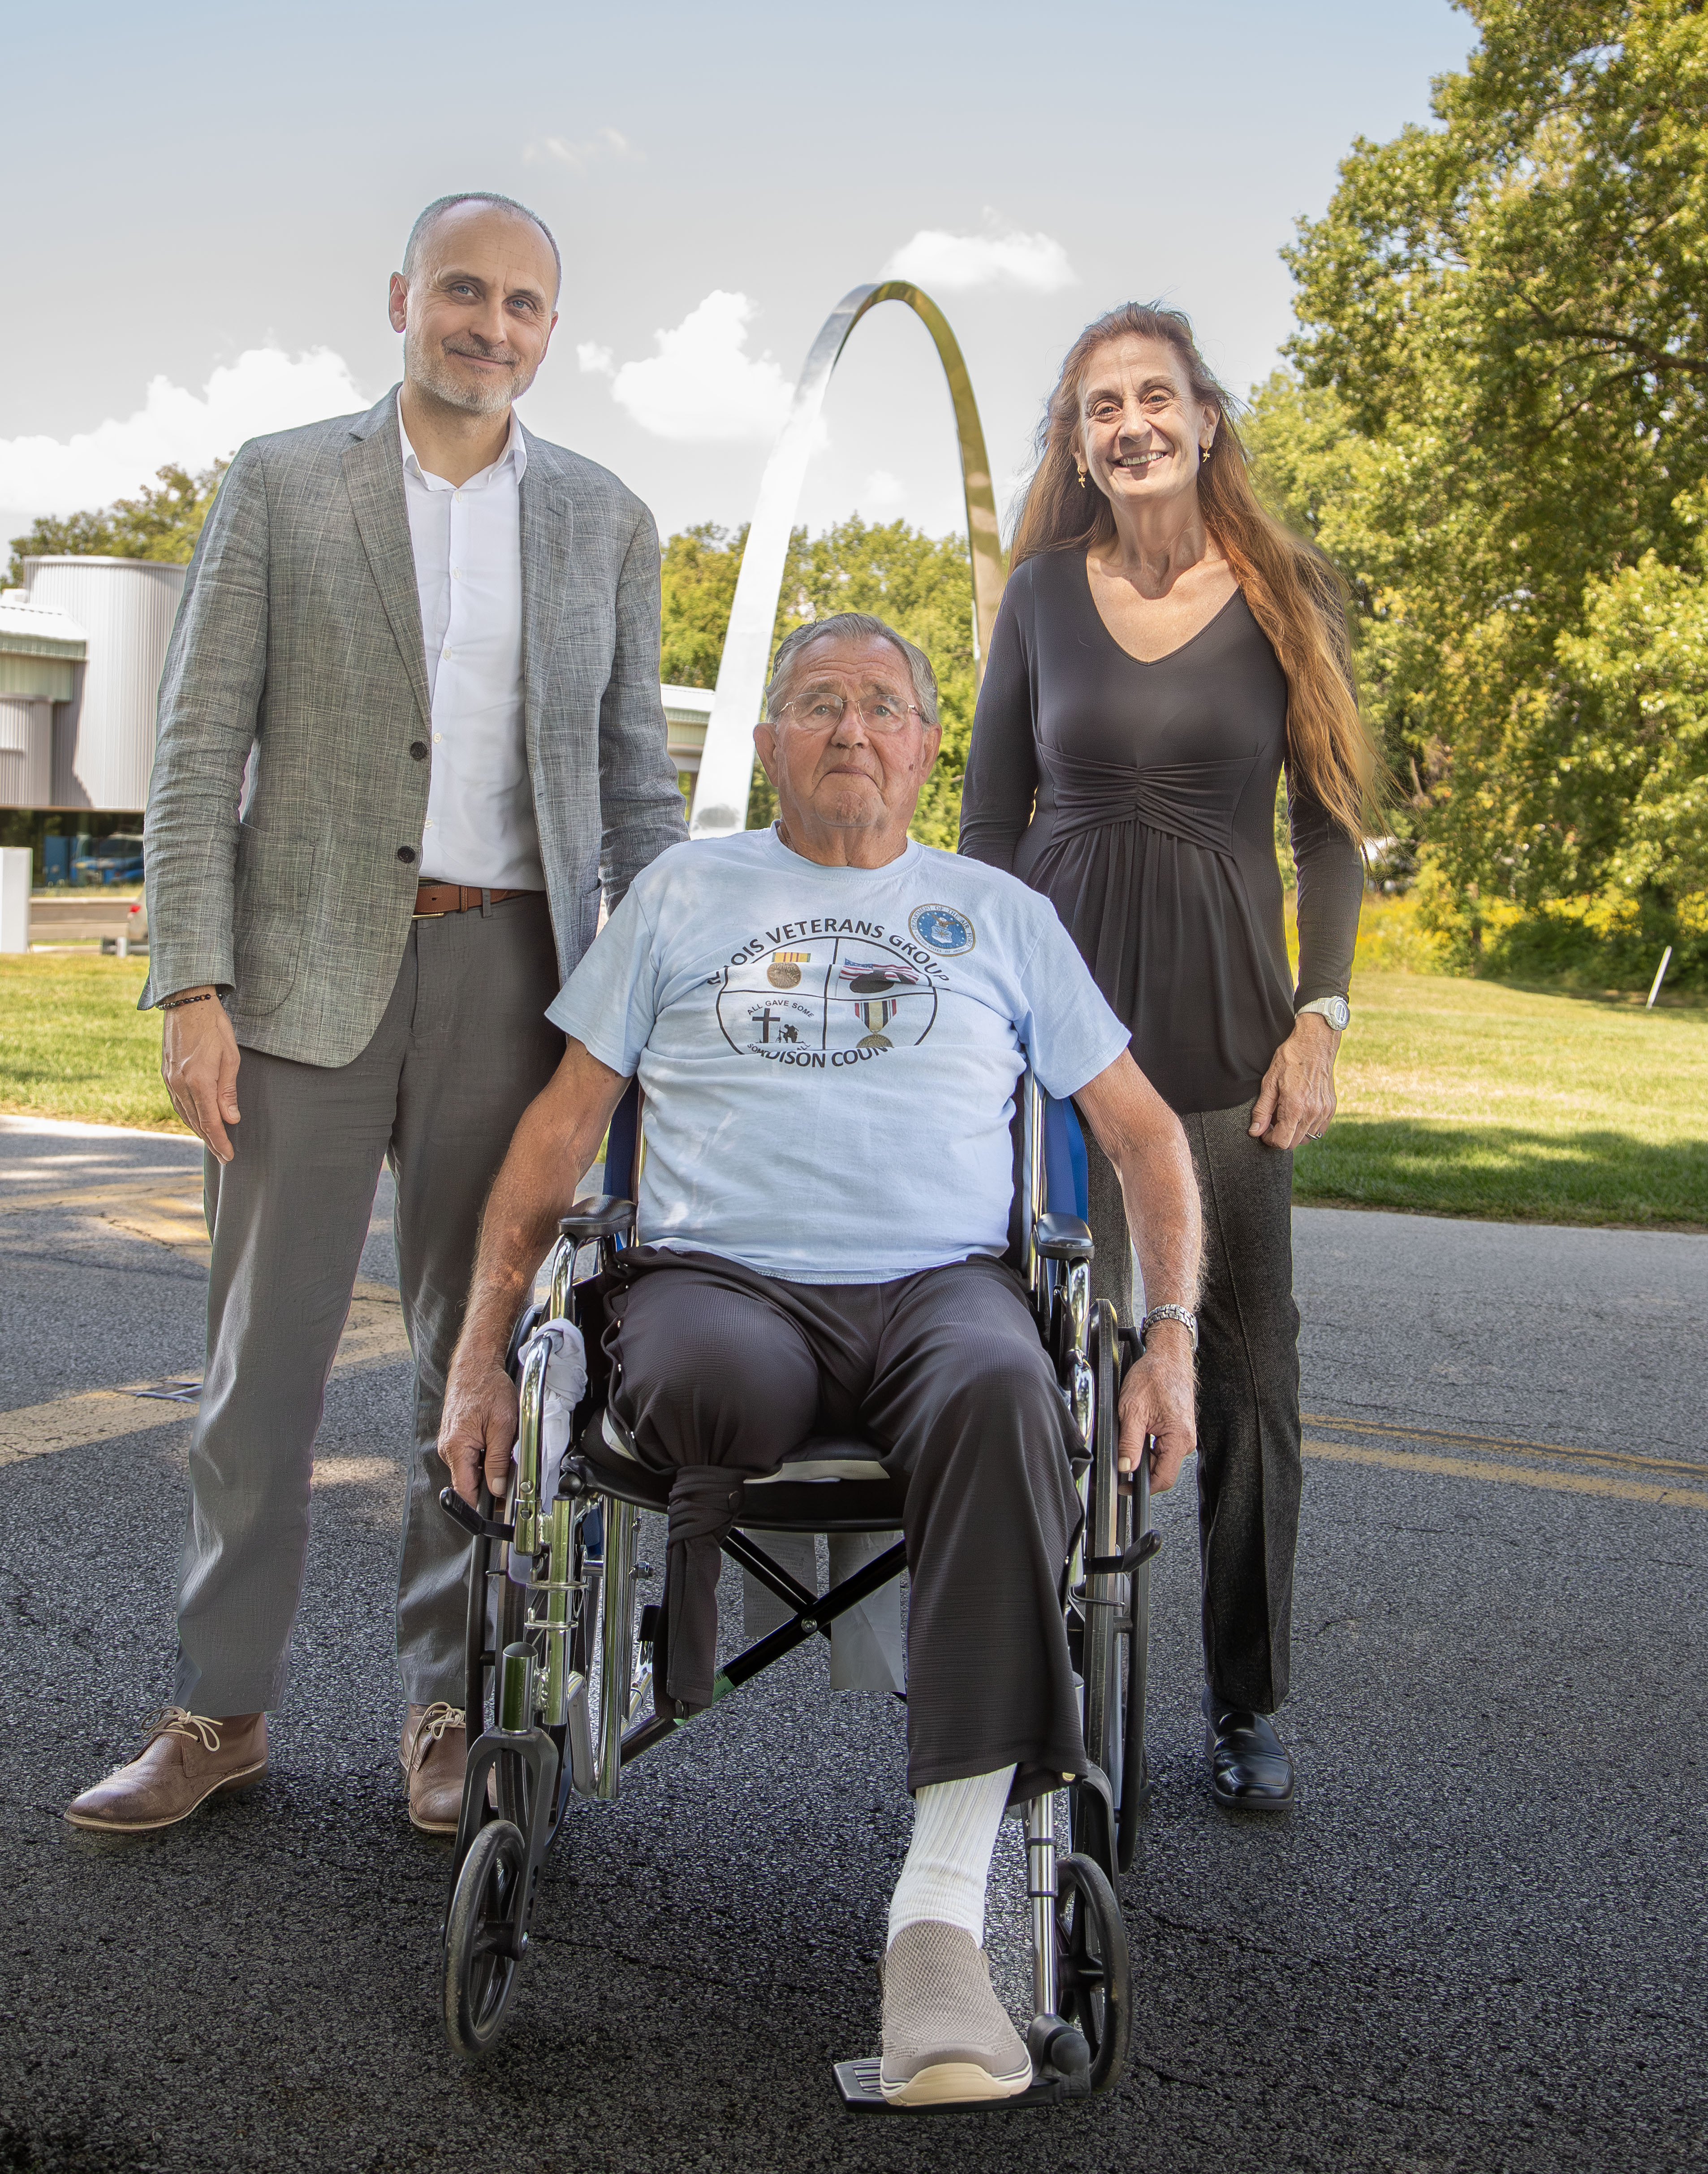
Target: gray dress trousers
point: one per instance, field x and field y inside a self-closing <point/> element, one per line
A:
<point x="463" y="1048"/>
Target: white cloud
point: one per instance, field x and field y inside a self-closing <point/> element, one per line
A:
<point x="604" y="143"/>
<point x="265" y="389"/>
<point x="953" y="263"/>
<point x="702" y="386"/>
<point x="883" y="490"/>
<point x="595" y="360"/>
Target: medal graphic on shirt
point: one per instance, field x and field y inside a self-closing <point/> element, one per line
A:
<point x="826" y="1002"/>
<point x="875" y="1014"/>
<point x="869" y="982"/>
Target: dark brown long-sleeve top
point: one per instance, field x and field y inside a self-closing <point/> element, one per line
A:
<point x="1140" y="799"/>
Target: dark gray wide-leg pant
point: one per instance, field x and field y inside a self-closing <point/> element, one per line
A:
<point x="1250" y="1472"/>
<point x="944" y="1372"/>
<point x="462" y="1049"/>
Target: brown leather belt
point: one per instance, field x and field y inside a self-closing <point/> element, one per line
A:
<point x="432" y="900"/>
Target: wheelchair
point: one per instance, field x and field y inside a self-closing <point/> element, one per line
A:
<point x="559" y="1650"/>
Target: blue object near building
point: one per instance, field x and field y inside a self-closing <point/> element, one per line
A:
<point x="107" y="860"/>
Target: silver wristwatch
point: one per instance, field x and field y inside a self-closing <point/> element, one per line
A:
<point x="1183" y="1314"/>
<point x="1335" y="1009"/>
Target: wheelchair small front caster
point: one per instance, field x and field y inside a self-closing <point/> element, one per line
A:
<point x="484" y="1935"/>
<point x="1060" y="2055"/>
<point x="1093" y="1989"/>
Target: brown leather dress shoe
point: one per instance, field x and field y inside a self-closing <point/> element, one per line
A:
<point x="188" y="1758"/>
<point x="433" y="1753"/>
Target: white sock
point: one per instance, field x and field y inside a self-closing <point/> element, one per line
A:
<point x="948" y="1859"/>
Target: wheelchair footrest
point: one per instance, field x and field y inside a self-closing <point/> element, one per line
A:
<point x="856" y="2081"/>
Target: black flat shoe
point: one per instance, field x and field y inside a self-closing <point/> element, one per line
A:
<point x="1250" y="1769"/>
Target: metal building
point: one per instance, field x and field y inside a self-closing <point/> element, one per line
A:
<point x="82" y="647"/>
<point x="41" y="660"/>
<point x="104" y="733"/>
<point x="687" y="711"/>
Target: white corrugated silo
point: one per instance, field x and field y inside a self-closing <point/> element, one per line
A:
<point x="26" y="751"/>
<point x="104" y="737"/>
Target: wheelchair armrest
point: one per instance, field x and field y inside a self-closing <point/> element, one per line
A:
<point x="1061" y="1238"/>
<point x="602" y="1216"/>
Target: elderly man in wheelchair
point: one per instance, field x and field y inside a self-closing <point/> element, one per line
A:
<point x="829" y="1024"/>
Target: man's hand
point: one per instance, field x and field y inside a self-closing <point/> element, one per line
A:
<point x="478" y="1427"/>
<point x="1296" y="1101"/>
<point x="553" y="1145"/>
<point x="1158" y="1398"/>
<point x="199" y="1058"/>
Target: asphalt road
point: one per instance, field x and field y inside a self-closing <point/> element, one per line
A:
<point x="1478" y="1944"/>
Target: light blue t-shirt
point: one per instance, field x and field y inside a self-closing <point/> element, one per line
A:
<point x="829" y="1055"/>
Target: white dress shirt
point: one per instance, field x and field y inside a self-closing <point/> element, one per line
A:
<point x="466" y="539"/>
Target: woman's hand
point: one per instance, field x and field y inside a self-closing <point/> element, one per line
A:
<point x="1296" y="1101"/>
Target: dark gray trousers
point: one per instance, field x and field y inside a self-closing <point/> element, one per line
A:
<point x="1250" y="1471"/>
<point x="944" y="1372"/>
<point x="462" y="1049"/>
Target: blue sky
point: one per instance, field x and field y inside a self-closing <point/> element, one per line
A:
<point x="200" y="190"/>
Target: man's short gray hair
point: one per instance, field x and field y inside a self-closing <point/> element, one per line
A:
<point x="441" y="205"/>
<point x="850" y="626"/>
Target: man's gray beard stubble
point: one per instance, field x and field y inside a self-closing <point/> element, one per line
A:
<point x="426" y="367"/>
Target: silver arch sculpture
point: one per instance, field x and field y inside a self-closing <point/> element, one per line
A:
<point x="726" y="766"/>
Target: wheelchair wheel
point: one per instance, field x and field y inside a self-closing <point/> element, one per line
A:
<point x="1117" y="1640"/>
<point x="1105" y="1642"/>
<point x="1135" y="1765"/>
<point x="1094" y="1986"/>
<point x="480" y="1655"/>
<point x="482" y="1933"/>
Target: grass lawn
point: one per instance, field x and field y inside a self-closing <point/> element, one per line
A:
<point x="72" y="1043"/>
<point x="1458" y="1097"/>
<point x="1470" y="1098"/>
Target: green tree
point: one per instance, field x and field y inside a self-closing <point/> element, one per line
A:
<point x="922" y="585"/>
<point x="162" y="522"/>
<point x="699" y="569"/>
<point x="1498" y="407"/>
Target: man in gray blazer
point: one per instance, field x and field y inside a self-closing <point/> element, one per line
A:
<point x="409" y="723"/>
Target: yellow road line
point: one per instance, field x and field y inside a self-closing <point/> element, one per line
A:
<point x="373" y="1336"/>
<point x="134" y="1186"/>
<point x="1514" y="1475"/>
<point x="1503" y="1441"/>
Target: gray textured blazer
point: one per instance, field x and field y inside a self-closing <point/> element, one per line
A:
<point x="299" y="637"/>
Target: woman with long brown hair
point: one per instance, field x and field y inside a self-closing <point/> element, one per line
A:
<point x="1165" y="648"/>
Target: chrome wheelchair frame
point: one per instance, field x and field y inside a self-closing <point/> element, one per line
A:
<point x="559" y="1665"/>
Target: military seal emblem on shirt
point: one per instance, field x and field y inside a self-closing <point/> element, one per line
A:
<point x="784" y="972"/>
<point x="943" y="929"/>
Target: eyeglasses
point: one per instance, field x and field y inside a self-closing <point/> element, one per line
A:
<point x="879" y="712"/>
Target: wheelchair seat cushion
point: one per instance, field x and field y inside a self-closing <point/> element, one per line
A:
<point x="825" y="1457"/>
<point x="824" y="1485"/>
